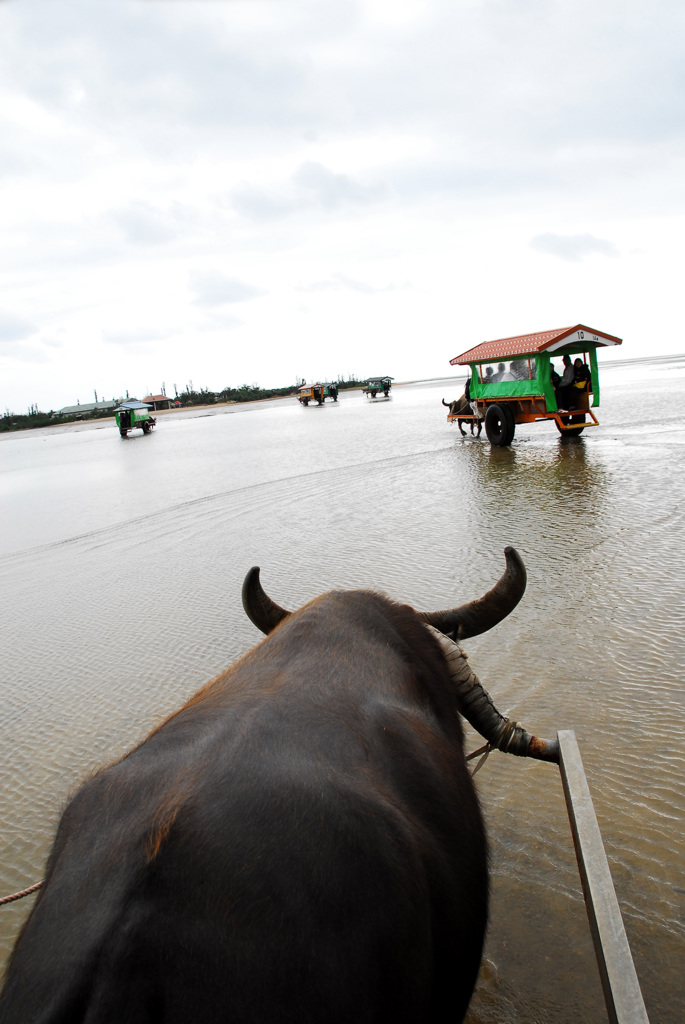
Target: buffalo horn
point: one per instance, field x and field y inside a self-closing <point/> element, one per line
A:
<point x="260" y="609"/>
<point x="478" y="708"/>
<point x="484" y="613"/>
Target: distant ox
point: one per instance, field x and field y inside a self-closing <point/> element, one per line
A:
<point x="300" y="843"/>
<point x="462" y="407"/>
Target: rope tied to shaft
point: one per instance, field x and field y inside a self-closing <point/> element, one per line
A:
<point x="20" y="895"/>
<point x="508" y="732"/>
<point x="485" y="751"/>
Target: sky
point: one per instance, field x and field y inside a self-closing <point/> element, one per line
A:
<point x="213" y="193"/>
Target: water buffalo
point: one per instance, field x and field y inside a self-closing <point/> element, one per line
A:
<point x="301" y="842"/>
<point x="462" y="406"/>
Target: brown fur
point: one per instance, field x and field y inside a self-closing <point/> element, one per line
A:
<point x="300" y="842"/>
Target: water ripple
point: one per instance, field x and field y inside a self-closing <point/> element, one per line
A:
<point x="125" y="601"/>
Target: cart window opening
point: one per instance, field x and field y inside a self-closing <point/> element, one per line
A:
<point x="516" y="369"/>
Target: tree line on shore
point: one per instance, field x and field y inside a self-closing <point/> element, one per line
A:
<point x="245" y="393"/>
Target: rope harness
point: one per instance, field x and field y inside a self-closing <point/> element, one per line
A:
<point x="20" y="895"/>
<point x="508" y="732"/>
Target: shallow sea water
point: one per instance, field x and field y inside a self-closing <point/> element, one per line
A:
<point x="121" y="564"/>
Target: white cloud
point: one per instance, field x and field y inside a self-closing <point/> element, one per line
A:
<point x="219" y="321"/>
<point x="339" y="281"/>
<point x="144" y="224"/>
<point x="331" y="190"/>
<point x="14" y="328"/>
<point x="573" y="248"/>
<point x="132" y="336"/>
<point x="215" y="289"/>
<point x="312" y="187"/>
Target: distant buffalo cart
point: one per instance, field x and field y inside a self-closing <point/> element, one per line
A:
<point x="514" y="380"/>
<point x="375" y="385"/>
<point x="132" y="415"/>
<point x="317" y="393"/>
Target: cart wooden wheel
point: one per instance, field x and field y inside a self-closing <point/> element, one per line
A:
<point x="511" y="419"/>
<point x="499" y="425"/>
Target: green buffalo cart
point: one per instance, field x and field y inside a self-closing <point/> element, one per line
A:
<point x="515" y="380"/>
<point x="375" y="385"/>
<point x="133" y="415"/>
<point x="317" y="393"/>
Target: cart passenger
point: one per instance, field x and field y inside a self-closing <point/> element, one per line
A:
<point x="565" y="391"/>
<point x="518" y="369"/>
<point x="581" y="376"/>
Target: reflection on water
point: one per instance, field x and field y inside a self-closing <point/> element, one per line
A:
<point x="122" y="564"/>
<point x="556" y="484"/>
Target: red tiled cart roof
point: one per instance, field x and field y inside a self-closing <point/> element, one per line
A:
<point x="528" y="344"/>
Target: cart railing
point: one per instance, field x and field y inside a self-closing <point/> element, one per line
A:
<point x="622" y="993"/>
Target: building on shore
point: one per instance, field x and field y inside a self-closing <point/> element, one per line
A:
<point x="87" y="408"/>
<point x="159" y="402"/>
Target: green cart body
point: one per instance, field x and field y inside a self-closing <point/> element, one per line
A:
<point x="375" y="385"/>
<point x="132" y="415"/>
